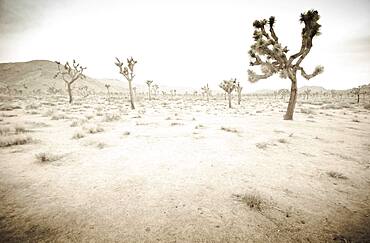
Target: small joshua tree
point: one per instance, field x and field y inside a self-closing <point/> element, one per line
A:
<point x="361" y="90"/>
<point x="84" y="91"/>
<point x="107" y="86"/>
<point x="128" y="72"/>
<point x="357" y="92"/>
<point x="268" y="53"/>
<point x="149" y="83"/>
<point x="228" y="86"/>
<point x="283" y="93"/>
<point x="239" y="91"/>
<point x="70" y="74"/>
<point x="155" y="89"/>
<point x="206" y="91"/>
<point x="307" y="93"/>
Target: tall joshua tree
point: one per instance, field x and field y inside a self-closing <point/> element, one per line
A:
<point x="70" y="74"/>
<point x="239" y="91"/>
<point x="206" y="91"/>
<point x="128" y="72"/>
<point x="268" y="53"/>
<point x="149" y="83"/>
<point x="228" y="86"/>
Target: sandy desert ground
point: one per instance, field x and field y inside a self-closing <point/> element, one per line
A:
<point x="183" y="170"/>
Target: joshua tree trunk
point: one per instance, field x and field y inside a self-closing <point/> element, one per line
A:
<point x="293" y="98"/>
<point x="69" y="92"/>
<point x="358" y="98"/>
<point x="150" y="97"/>
<point x="229" y="94"/>
<point x="131" y="95"/>
<point x="239" y="98"/>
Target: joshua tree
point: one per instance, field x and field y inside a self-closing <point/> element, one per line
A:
<point x="107" y="86"/>
<point x="283" y="93"/>
<point x="307" y="93"/>
<point x="149" y="83"/>
<point x="70" y="74"/>
<point x="155" y="89"/>
<point x="357" y="92"/>
<point x="206" y="91"/>
<point x="239" y="91"/>
<point x="268" y="53"/>
<point x="128" y="73"/>
<point x="228" y="86"/>
<point x="361" y="90"/>
<point x="84" y="91"/>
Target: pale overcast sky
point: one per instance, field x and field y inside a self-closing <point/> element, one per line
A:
<point x="185" y="43"/>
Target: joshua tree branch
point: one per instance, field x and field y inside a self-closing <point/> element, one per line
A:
<point x="318" y="70"/>
<point x="254" y="77"/>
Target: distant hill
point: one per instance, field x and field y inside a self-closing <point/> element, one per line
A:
<point x="314" y="89"/>
<point x="39" y="74"/>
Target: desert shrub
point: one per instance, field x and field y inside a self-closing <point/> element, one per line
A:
<point x="282" y="140"/>
<point x="9" y="107"/>
<point x="11" y="140"/>
<point x="336" y="175"/>
<point x="367" y="106"/>
<point x="176" y="124"/>
<point x="58" y="117"/>
<point x="78" y="135"/>
<point x="94" y="129"/>
<point x="229" y="129"/>
<point x="19" y="129"/>
<point x="262" y="146"/>
<point x="32" y="106"/>
<point x="307" y="111"/>
<point x="46" y="157"/>
<point x="252" y="200"/>
<point x="111" y="117"/>
<point x="4" y="131"/>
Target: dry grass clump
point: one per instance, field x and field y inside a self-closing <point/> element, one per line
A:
<point x="16" y="139"/>
<point x="230" y="129"/>
<point x="58" y="116"/>
<point x="177" y="124"/>
<point x="19" y="129"/>
<point x="94" y="129"/>
<point x="32" y="106"/>
<point x="282" y="140"/>
<point x="199" y="126"/>
<point x="78" y="135"/>
<point x="336" y="175"/>
<point x="46" y="157"/>
<point x="4" y="131"/>
<point x="252" y="200"/>
<point x="111" y="117"/>
<point x="307" y="111"/>
<point x="262" y="146"/>
<point x="9" y="107"/>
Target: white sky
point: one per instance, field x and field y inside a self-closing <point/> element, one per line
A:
<point x="185" y="43"/>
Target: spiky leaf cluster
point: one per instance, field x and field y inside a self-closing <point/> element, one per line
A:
<point x="268" y="53"/>
<point x="228" y="85"/>
<point x="128" y="70"/>
<point x="70" y="73"/>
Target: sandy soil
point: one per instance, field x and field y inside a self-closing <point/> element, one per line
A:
<point x="184" y="170"/>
